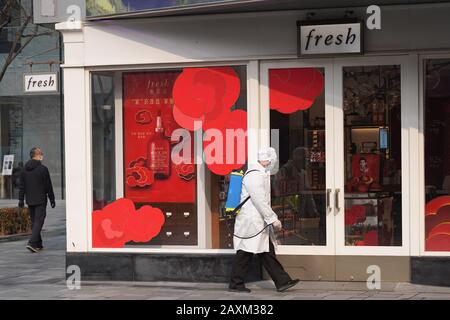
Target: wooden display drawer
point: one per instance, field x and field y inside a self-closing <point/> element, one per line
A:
<point x="185" y="235"/>
<point x="180" y="226"/>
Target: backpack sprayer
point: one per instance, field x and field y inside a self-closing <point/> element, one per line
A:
<point x="233" y="204"/>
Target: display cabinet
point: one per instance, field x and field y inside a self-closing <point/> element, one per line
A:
<point x="180" y="227"/>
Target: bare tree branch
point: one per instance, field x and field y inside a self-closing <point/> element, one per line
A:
<point x="4" y="24"/>
<point x="22" y="38"/>
<point x="6" y="10"/>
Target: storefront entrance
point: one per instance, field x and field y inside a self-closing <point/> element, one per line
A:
<point x="363" y="182"/>
<point x="338" y="125"/>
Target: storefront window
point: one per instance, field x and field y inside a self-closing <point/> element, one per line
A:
<point x="151" y="176"/>
<point x="27" y="122"/>
<point x="437" y="154"/>
<point x="103" y="7"/>
<point x="170" y="120"/>
<point x="297" y="103"/>
<point x="222" y="225"/>
<point x="29" y="119"/>
<point x="372" y="122"/>
<point x="103" y="141"/>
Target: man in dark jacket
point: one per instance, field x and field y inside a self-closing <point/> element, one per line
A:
<point x="36" y="186"/>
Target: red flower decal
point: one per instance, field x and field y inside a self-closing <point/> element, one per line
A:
<point x="294" y="89"/>
<point x="189" y="123"/>
<point x="203" y="94"/>
<point x="230" y="152"/>
<point x="119" y="223"/>
<point x="203" y="98"/>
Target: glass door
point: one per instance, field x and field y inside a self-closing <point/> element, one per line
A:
<point x="371" y="194"/>
<point x="297" y="120"/>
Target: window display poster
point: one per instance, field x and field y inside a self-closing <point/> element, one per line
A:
<point x="8" y="161"/>
<point x="365" y="173"/>
<point x="148" y="123"/>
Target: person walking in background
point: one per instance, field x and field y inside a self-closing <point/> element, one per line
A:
<point x="35" y="187"/>
<point x="255" y="225"/>
<point x="16" y="173"/>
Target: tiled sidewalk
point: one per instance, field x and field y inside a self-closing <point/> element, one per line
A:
<point x="42" y="276"/>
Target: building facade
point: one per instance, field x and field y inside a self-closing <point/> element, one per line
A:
<point x="363" y="182"/>
<point x="30" y="119"/>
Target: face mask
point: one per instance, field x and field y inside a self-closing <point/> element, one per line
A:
<point x="271" y="166"/>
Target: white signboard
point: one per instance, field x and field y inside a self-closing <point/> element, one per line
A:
<point x="322" y="39"/>
<point x="8" y="162"/>
<point x="40" y="82"/>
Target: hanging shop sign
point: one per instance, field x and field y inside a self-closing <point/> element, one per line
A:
<point x="34" y="83"/>
<point x="332" y="37"/>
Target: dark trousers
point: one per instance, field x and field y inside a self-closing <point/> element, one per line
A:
<point x="269" y="262"/>
<point x="37" y="215"/>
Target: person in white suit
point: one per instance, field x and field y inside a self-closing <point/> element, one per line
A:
<point x="256" y="215"/>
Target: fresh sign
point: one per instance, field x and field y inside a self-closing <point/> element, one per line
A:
<point x="40" y="82"/>
<point x="340" y="38"/>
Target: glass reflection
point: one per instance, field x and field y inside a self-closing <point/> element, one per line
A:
<point x="437" y="155"/>
<point x="298" y="188"/>
<point x="372" y="128"/>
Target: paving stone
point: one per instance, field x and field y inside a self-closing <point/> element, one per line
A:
<point x="433" y="296"/>
<point x="305" y="298"/>
<point x="338" y="297"/>
<point x="383" y="298"/>
<point x="42" y="276"/>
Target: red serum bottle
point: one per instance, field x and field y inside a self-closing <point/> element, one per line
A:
<point x="159" y="151"/>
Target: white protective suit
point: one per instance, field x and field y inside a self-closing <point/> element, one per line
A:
<point x="256" y="213"/>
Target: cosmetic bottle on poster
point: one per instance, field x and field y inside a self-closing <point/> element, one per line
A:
<point x="159" y="151"/>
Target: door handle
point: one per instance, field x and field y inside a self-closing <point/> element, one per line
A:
<point x="337" y="209"/>
<point x="328" y="201"/>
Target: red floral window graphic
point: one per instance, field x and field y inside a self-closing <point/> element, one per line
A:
<point x="120" y="222"/>
<point x="294" y="89"/>
<point x="437" y="224"/>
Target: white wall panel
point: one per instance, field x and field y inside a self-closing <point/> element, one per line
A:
<point x="250" y="36"/>
<point x="76" y="158"/>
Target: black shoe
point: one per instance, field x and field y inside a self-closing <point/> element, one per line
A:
<point x="288" y="285"/>
<point x="32" y="249"/>
<point x="40" y="248"/>
<point x="239" y="289"/>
